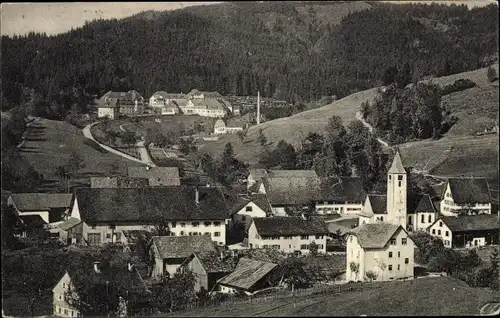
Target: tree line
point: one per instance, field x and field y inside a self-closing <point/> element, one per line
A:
<point x="295" y="55"/>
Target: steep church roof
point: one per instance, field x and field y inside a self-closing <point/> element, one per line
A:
<point x="397" y="165"/>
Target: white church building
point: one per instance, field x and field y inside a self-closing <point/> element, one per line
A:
<point x="381" y="249"/>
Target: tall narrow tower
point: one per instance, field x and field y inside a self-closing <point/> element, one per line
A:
<point x="258" y="108"/>
<point x="396" y="192"/>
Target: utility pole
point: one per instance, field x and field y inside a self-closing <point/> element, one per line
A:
<point x="258" y="107"/>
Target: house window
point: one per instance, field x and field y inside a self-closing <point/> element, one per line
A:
<point x="399" y="254"/>
<point x="381" y="219"/>
<point x="319" y="237"/>
<point x="407" y="260"/>
<point x="207" y="233"/>
<point x="430" y="218"/>
<point x="392" y="241"/>
<point x="399" y="267"/>
<point x="433" y="231"/>
<point x="248" y="209"/>
<point x="422" y="219"/>
<point x="390" y="267"/>
<point x="108" y="235"/>
<point x="399" y="184"/>
<point x="216" y="234"/>
<point x="446" y="242"/>
<point x="304" y="237"/>
<point x="59" y="309"/>
<point x="66" y="312"/>
<point x="59" y="296"/>
<point x="390" y="177"/>
<point x="303" y="247"/>
<point x="174" y="224"/>
<point x="265" y="246"/>
<point x="112" y="227"/>
<point x="207" y="223"/>
<point x="410" y="220"/>
<point x="194" y="233"/>
<point x="390" y="254"/>
<point x="182" y="232"/>
<point x="216" y="223"/>
<point x="440" y="224"/>
<point x="64" y="285"/>
<point x="195" y="224"/>
<point x="404" y="241"/>
<point x="93" y="227"/>
<point x="400" y="178"/>
<point x="446" y="233"/>
<point x="439" y="232"/>
<point x="183" y="224"/>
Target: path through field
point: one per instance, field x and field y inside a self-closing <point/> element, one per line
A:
<point x="370" y="128"/>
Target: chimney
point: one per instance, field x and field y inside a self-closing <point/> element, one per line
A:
<point x="130" y="267"/>
<point x="96" y="267"/>
<point x="196" y="195"/>
<point x="258" y="108"/>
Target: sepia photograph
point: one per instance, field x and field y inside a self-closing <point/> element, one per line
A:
<point x="250" y="158"/>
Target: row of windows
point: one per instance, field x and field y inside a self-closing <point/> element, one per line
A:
<point x="216" y="234"/>
<point x="429" y="218"/>
<point x="390" y="254"/>
<point x="196" y="224"/>
<point x="290" y="237"/>
<point x="306" y="247"/>
<point x="407" y="261"/>
<point x="65" y="311"/>
<point x="446" y="233"/>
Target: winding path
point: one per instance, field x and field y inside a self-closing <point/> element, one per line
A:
<point x="145" y="158"/>
<point x="370" y="128"/>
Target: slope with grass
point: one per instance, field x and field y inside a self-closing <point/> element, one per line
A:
<point x="421" y="297"/>
<point x="471" y="106"/>
<point x="49" y="144"/>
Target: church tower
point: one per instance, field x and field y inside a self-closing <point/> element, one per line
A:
<point x="396" y="192"/>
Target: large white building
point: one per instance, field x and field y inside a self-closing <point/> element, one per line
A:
<point x="471" y="194"/>
<point x="289" y="234"/>
<point x="382" y="247"/>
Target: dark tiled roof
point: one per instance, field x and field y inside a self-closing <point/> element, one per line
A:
<point x="182" y="246"/>
<point x="126" y="96"/>
<point x="333" y="227"/>
<point x="466" y="190"/>
<point x="133" y="236"/>
<point x="212" y="262"/>
<point x="397" y="165"/>
<point x="247" y="273"/>
<point x="374" y="235"/>
<point x="291" y="191"/>
<point x="425" y="204"/>
<point x="290" y="225"/>
<point x="41" y="201"/>
<point x="157" y="176"/>
<point x="348" y="189"/>
<point x="258" y="199"/>
<point x="378" y="203"/>
<point x="471" y="222"/>
<point x="255" y="187"/>
<point x="32" y="221"/>
<point x="147" y="204"/>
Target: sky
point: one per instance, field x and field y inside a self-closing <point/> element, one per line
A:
<point x="54" y="18"/>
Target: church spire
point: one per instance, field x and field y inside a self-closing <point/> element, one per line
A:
<point x="397" y="164"/>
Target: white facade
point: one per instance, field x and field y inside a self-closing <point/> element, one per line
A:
<point x="448" y="205"/>
<point x="396" y="199"/>
<point x="420" y="221"/>
<point x="200" y="108"/>
<point x="110" y="233"/>
<point x="329" y="207"/>
<point x="394" y="261"/>
<point x="287" y="244"/>
<point x="219" y="127"/>
<point x="441" y="230"/>
<point x="59" y="306"/>
<point x="110" y="112"/>
<point x="247" y="213"/>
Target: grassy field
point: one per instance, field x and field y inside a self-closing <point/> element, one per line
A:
<point x="474" y="107"/>
<point x="50" y="143"/>
<point x="420" y="297"/>
<point x="454" y="156"/>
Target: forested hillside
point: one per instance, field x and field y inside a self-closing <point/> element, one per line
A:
<point x="289" y="50"/>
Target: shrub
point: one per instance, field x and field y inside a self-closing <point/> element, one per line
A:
<point x="491" y="73"/>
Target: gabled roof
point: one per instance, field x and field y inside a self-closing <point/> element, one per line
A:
<point x="41" y="201"/>
<point x="375" y="235"/>
<point x="66" y="225"/>
<point x="258" y="199"/>
<point x="247" y="273"/>
<point x="181" y="102"/>
<point x="470" y="222"/>
<point x="378" y="203"/>
<point x="333" y="227"/>
<point x="346" y="189"/>
<point x="290" y="225"/>
<point x="258" y="173"/>
<point x="157" y="176"/>
<point x="425" y="205"/>
<point x="291" y="190"/>
<point x="131" y="95"/>
<point x="254" y="188"/>
<point x="145" y="205"/>
<point x="182" y="246"/>
<point x="212" y="262"/>
<point x="475" y="190"/>
<point x="397" y="165"/>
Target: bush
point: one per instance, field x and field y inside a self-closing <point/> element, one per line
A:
<point x="95" y="145"/>
<point x="491" y="74"/>
<point x="458" y="85"/>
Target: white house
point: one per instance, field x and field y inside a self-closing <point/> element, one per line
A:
<point x="232" y="126"/>
<point x="247" y="208"/>
<point x="382" y="248"/>
<point x="466" y="230"/>
<point x="466" y="193"/>
<point x="129" y="103"/>
<point x="288" y="234"/>
<point x="345" y="196"/>
<point x="108" y="108"/>
<point x="380" y="243"/>
<point x="106" y="213"/>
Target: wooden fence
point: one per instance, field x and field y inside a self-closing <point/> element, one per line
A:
<point x="318" y="289"/>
